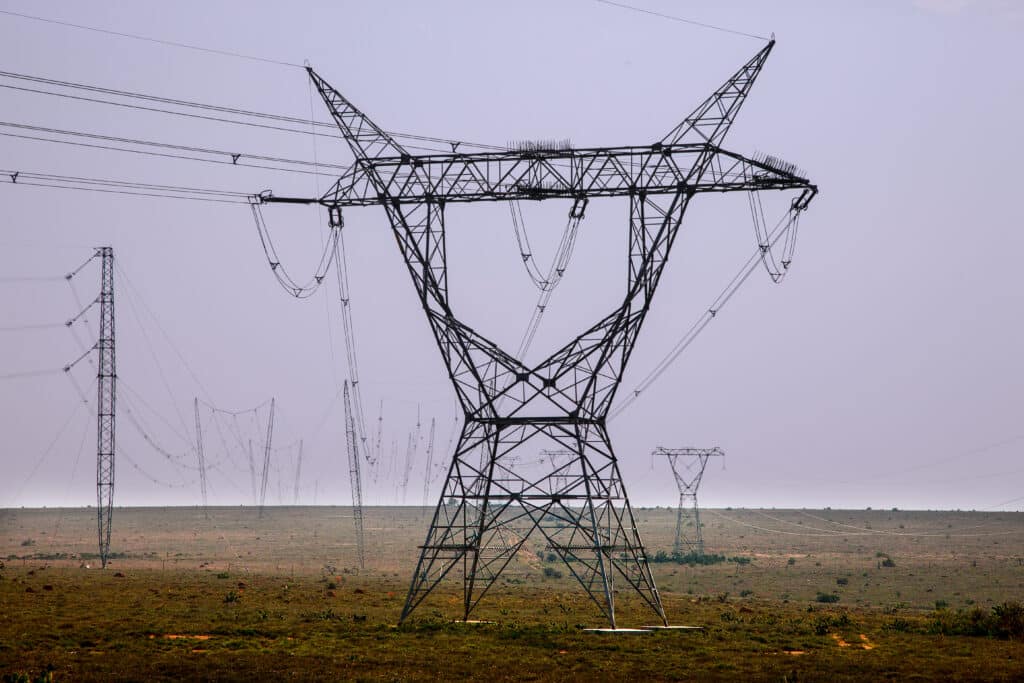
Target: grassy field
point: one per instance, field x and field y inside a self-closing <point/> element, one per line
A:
<point x="801" y="595"/>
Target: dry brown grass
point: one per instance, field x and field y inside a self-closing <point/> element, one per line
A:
<point x="300" y="611"/>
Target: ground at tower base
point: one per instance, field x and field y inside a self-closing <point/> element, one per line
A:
<point x="785" y="595"/>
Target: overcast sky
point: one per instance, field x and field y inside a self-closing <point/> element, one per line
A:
<point x="884" y="371"/>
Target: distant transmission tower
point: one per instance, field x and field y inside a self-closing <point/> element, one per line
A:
<point x="564" y="400"/>
<point x="560" y="463"/>
<point x="298" y="473"/>
<point x="106" y="404"/>
<point x="430" y="462"/>
<point x="266" y="458"/>
<point x="412" y="448"/>
<point x="688" y="467"/>
<point x="352" y="447"/>
<point x="202" y="459"/>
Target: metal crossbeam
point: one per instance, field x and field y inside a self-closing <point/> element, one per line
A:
<point x="567" y="174"/>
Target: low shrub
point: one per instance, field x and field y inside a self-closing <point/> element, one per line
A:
<point x="694" y="558"/>
<point x="552" y="573"/>
<point x="900" y="625"/>
<point x="1004" y="621"/>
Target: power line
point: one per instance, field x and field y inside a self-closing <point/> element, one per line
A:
<point x="682" y="20"/>
<point x="243" y="411"/>
<point x="235" y="111"/>
<point x="139" y="397"/>
<point x="49" y="449"/>
<point x="149" y="39"/>
<point x="130" y="194"/>
<point x="229" y="158"/>
<point x="280" y="274"/>
<point x="36" y="326"/>
<point x="782" y="228"/>
<point x="122" y="187"/>
<point x="157" y="110"/>
<point x="31" y="278"/>
<point x="132" y="184"/>
<point x="30" y="373"/>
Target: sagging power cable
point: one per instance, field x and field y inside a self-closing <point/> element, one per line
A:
<point x="344" y="296"/>
<point x="122" y="187"/>
<point x="280" y="274"/>
<point x="220" y="156"/>
<point x="559" y="264"/>
<point x="776" y="270"/>
<point x="781" y="229"/>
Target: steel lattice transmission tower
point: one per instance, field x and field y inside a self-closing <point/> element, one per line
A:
<point x="106" y="404"/>
<point x="688" y="467"/>
<point x="488" y="509"/>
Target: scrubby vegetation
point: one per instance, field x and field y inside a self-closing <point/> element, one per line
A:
<point x="693" y="558"/>
<point x="246" y="599"/>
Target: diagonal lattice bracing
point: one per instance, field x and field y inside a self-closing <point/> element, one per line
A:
<point x="489" y="509"/>
<point x="576" y="504"/>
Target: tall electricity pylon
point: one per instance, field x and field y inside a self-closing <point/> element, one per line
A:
<point x="688" y="467"/>
<point x="106" y="404"/>
<point x="564" y="401"/>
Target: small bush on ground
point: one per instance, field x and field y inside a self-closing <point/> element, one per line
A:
<point x="1004" y="621"/>
<point x="694" y="558"/>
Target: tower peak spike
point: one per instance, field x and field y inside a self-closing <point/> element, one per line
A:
<point x="366" y="139"/>
<point x="709" y="123"/>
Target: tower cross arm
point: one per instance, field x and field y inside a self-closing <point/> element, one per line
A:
<point x="661" y="450"/>
<point x="571" y="173"/>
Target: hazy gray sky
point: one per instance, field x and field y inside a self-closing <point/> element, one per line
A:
<point x="885" y="371"/>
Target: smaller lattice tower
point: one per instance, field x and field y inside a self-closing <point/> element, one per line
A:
<point x="106" y="404"/>
<point x="688" y="467"/>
